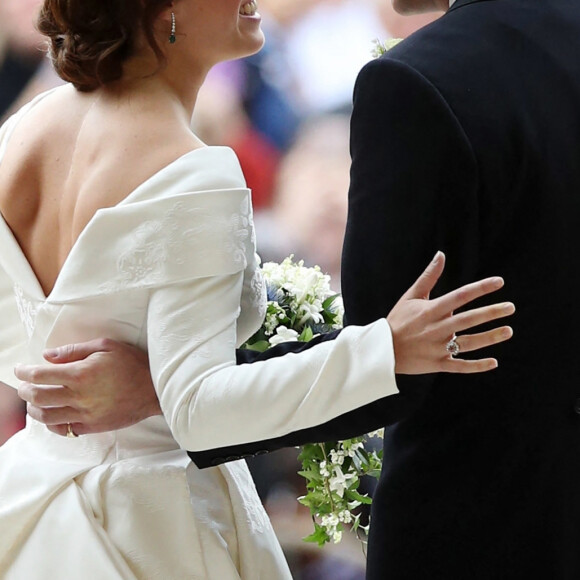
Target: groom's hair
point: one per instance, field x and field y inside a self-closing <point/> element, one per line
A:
<point x="89" y="40"/>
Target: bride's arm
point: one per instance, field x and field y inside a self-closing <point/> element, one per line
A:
<point x="109" y="389"/>
<point x="208" y="401"/>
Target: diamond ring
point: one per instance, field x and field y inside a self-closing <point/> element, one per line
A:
<point x="452" y="347"/>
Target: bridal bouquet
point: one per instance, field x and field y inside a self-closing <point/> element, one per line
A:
<point x="301" y="305"/>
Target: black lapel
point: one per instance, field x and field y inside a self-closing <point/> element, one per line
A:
<point x="460" y="3"/>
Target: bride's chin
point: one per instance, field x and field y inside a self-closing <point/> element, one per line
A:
<point x="259" y="45"/>
<point x="244" y="47"/>
<point x="253" y="47"/>
<point x="259" y="39"/>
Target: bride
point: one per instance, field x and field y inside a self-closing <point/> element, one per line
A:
<point x="117" y="221"/>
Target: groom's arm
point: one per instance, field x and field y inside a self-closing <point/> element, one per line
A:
<point x="247" y="356"/>
<point x="368" y="418"/>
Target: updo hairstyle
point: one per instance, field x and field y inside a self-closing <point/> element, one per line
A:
<point x="89" y="40"/>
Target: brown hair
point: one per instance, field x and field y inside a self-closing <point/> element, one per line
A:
<point x="90" y="40"/>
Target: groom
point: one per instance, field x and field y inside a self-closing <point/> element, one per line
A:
<point x="465" y="138"/>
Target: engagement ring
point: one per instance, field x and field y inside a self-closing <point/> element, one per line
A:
<point x="452" y="347"/>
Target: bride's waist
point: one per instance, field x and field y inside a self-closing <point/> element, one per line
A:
<point x="149" y="437"/>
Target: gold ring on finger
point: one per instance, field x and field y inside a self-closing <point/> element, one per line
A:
<point x="69" y="432"/>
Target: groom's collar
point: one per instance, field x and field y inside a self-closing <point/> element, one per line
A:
<point x="459" y="3"/>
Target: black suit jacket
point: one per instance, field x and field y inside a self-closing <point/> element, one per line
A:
<point x="466" y="138"/>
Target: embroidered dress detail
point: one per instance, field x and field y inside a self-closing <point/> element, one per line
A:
<point x="197" y="236"/>
<point x="26" y="309"/>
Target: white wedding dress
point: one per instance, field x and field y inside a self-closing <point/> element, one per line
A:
<point x="173" y="270"/>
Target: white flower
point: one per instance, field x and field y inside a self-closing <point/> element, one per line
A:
<point x="310" y="311"/>
<point x="345" y="517"/>
<point x="329" y="521"/>
<point x="283" y="334"/>
<point x="273" y="316"/>
<point x="339" y="482"/>
<point x="353" y="449"/>
<point x="337" y="456"/>
<point x="337" y="537"/>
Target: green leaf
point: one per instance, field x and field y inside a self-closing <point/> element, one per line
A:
<point x="319" y="536"/>
<point x="376" y="473"/>
<point x="353" y="494"/>
<point x="307" y="335"/>
<point x="259" y="346"/>
<point x="329" y="301"/>
<point x="311" y="452"/>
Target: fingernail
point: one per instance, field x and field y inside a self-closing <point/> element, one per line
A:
<point x="509" y="307"/>
<point x="51" y="353"/>
<point x="437" y="256"/>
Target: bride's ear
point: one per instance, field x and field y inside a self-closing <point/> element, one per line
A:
<point x="165" y="14"/>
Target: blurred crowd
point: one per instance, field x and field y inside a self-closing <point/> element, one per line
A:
<point x="286" y="113"/>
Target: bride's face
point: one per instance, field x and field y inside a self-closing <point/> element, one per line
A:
<point x="218" y="30"/>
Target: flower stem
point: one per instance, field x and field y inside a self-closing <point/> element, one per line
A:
<point x="326" y="482"/>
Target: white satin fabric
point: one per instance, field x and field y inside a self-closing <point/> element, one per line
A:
<point x="171" y="269"/>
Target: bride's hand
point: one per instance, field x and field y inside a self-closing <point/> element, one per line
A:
<point x="423" y="328"/>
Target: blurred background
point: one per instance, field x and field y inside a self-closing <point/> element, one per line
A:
<point x="285" y="112"/>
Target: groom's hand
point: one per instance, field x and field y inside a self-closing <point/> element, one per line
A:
<point x="97" y="386"/>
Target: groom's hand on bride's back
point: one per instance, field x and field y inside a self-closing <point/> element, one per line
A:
<point x="97" y="386"/>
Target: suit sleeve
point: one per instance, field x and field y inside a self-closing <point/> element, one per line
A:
<point x="247" y="356"/>
<point x="413" y="191"/>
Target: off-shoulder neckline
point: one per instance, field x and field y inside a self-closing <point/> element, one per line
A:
<point x="14" y="247"/>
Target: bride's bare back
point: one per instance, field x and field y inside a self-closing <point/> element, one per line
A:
<point x="75" y="153"/>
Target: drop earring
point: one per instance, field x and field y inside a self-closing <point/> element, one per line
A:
<point x="172" y="37"/>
